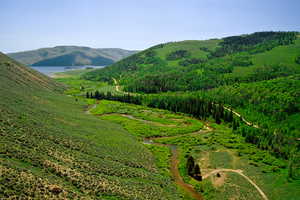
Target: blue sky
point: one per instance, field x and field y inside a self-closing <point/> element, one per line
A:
<point x="136" y="24"/>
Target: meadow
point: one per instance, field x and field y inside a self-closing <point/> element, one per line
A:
<point x="214" y="147"/>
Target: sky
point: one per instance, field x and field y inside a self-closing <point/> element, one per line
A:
<point x="136" y="24"/>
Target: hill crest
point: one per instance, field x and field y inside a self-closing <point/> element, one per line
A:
<point x="52" y="56"/>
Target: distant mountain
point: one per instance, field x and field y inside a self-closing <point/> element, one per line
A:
<point x="71" y="56"/>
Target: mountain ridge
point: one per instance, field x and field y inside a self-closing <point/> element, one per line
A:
<point x="206" y="64"/>
<point x="49" y="55"/>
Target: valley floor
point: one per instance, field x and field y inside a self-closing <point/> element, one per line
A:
<point x="226" y="173"/>
<point x="230" y="167"/>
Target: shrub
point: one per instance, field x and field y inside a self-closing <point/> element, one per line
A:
<point x="178" y="55"/>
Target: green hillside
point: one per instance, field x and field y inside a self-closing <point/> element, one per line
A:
<point x="51" y="149"/>
<point x="257" y="75"/>
<point x="197" y="65"/>
<point x="271" y="161"/>
<point x="71" y="55"/>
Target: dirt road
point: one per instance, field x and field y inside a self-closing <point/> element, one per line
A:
<point x="240" y="172"/>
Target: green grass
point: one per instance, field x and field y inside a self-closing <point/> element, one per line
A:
<point x="50" y="148"/>
<point x="191" y="46"/>
<point x="160" y="123"/>
<point x="225" y="150"/>
<point x="162" y="156"/>
<point x="221" y="160"/>
<point x="279" y="55"/>
<point x="78" y="86"/>
<point x="159" y="116"/>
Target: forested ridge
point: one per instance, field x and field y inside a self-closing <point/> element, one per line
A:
<point x="197" y="65"/>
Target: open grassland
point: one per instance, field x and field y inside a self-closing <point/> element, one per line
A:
<point x="51" y="149"/>
<point x="198" y="49"/>
<point x="284" y="55"/>
<point x="146" y="122"/>
<point x="78" y="86"/>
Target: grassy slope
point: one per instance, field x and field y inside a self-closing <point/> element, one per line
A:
<point x="49" y="148"/>
<point x="282" y="55"/>
<point x="192" y="46"/>
<point x="123" y="67"/>
<point x="279" y="55"/>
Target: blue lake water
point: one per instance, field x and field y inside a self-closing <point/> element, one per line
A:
<point x="50" y="70"/>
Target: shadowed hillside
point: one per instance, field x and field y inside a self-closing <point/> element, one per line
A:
<point x="70" y="56"/>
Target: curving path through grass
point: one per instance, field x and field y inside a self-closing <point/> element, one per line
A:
<point x="175" y="158"/>
<point x="240" y="172"/>
<point x="174" y="154"/>
<point x="174" y="169"/>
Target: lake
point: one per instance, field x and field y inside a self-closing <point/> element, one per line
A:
<point x="50" y="70"/>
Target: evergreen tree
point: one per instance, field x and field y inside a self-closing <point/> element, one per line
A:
<point x="97" y="95"/>
<point x="190" y="166"/>
<point x="197" y="173"/>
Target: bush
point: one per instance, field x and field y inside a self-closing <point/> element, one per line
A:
<point x="178" y="55"/>
<point x="298" y="60"/>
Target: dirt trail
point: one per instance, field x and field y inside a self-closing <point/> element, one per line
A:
<point x="240" y="116"/>
<point x="240" y="172"/>
<point x="90" y="107"/>
<point x="117" y="85"/>
<point x="146" y="121"/>
<point x="174" y="169"/>
<point x="226" y="108"/>
<point x="174" y="159"/>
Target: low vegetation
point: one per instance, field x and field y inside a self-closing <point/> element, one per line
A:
<point x="50" y="148"/>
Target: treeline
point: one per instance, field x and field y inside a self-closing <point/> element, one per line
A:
<point x="254" y="43"/>
<point x="198" y="107"/>
<point x="178" y="54"/>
